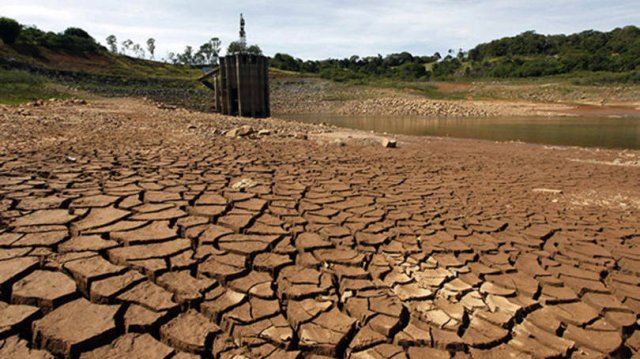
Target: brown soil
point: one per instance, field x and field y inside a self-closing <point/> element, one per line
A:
<point x="162" y="236"/>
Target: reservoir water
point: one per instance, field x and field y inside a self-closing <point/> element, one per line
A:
<point x="585" y="131"/>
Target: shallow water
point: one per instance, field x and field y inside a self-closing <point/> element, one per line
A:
<point x="592" y="131"/>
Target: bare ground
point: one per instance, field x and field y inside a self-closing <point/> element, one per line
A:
<point x="459" y="100"/>
<point x="127" y="229"/>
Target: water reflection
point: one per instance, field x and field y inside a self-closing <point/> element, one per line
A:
<point x="571" y="131"/>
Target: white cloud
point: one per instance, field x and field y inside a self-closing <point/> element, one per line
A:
<point x="325" y="28"/>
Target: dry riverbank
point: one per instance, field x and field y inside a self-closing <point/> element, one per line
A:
<point x="128" y="228"/>
<point x="451" y="100"/>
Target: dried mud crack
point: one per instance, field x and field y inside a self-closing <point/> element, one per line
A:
<point x="127" y="230"/>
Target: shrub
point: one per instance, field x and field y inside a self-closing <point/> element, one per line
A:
<point x="77" y="32"/>
<point x="9" y="30"/>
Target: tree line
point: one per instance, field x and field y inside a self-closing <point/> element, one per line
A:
<point x="356" y="68"/>
<point x="530" y="54"/>
<point x="28" y="40"/>
<point x="206" y="55"/>
<point x="400" y="66"/>
<point x="526" y="55"/>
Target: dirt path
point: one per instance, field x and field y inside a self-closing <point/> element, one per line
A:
<point x="125" y="228"/>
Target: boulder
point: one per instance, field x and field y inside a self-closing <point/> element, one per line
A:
<point x="389" y="143"/>
<point x="241" y="131"/>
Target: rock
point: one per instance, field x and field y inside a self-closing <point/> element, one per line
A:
<point x="389" y="143"/>
<point x="244" y="184"/>
<point x="300" y="136"/>
<point x="241" y="131"/>
<point x="547" y="190"/>
<point x="264" y="132"/>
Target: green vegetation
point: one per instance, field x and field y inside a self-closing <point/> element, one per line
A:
<point x="402" y="66"/>
<point x="530" y="54"/>
<point x="40" y="65"/>
<point x="237" y="47"/>
<point x="37" y="65"/>
<point x="73" y="41"/>
<point x="19" y="87"/>
<point x="9" y="30"/>
<point x="590" y="57"/>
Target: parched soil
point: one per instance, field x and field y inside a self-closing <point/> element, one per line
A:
<point x="134" y="230"/>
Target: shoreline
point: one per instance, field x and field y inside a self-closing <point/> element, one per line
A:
<point x="474" y="100"/>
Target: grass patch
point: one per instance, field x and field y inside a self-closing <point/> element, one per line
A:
<point x="18" y="87"/>
<point x="423" y="88"/>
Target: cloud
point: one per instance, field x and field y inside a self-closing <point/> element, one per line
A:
<point x="325" y="28"/>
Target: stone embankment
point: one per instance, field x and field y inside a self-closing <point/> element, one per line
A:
<point x="319" y="97"/>
<point x="414" y="107"/>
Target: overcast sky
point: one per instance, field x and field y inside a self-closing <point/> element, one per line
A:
<point x="324" y="28"/>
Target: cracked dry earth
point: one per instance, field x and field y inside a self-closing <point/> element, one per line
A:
<point x="133" y="232"/>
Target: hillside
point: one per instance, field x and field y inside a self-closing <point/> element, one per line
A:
<point x="40" y="65"/>
<point x="589" y="57"/>
<point x="531" y="54"/>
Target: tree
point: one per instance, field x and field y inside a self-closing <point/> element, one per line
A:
<point x="171" y="56"/>
<point x="73" y="40"/>
<point x="286" y="62"/>
<point x="113" y="43"/>
<point x="239" y="48"/>
<point x="187" y="56"/>
<point x="215" y="50"/>
<point x="136" y="49"/>
<point x="235" y="47"/>
<point x="9" y="30"/>
<point x="254" y="50"/>
<point x="77" y="32"/>
<point x="126" y="45"/>
<point x="151" y="46"/>
<point x="411" y="71"/>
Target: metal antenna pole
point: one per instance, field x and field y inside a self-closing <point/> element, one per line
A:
<point x="243" y="34"/>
